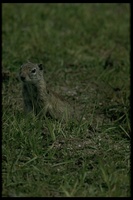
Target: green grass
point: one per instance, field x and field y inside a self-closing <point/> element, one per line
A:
<point x="85" y="49"/>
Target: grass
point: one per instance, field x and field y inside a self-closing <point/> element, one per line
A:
<point x="85" y="49"/>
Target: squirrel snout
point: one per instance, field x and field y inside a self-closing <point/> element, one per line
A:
<point x="22" y="78"/>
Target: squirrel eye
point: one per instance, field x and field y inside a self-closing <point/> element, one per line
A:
<point x="33" y="71"/>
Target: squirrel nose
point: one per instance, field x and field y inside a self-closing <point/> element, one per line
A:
<point x="22" y="78"/>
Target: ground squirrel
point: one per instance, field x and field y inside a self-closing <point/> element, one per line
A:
<point x="38" y="98"/>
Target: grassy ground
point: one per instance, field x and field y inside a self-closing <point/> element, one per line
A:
<point x="85" y="49"/>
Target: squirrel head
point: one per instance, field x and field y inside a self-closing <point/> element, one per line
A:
<point x="31" y="73"/>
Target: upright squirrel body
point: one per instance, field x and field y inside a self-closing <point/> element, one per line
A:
<point x="38" y="98"/>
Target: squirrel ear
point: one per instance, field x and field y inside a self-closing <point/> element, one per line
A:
<point x="40" y="66"/>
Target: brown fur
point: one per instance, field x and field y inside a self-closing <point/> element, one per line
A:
<point x="38" y="98"/>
